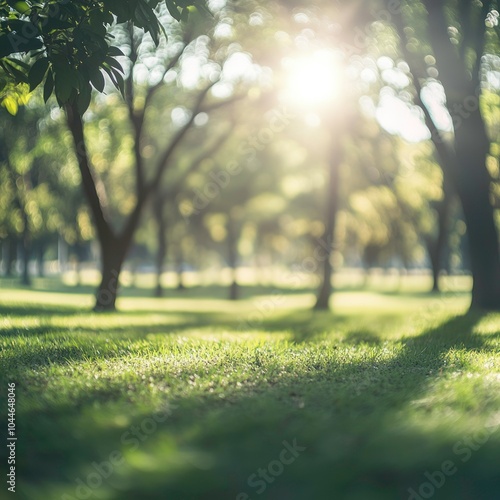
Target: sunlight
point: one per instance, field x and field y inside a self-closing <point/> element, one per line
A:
<point x="313" y="80"/>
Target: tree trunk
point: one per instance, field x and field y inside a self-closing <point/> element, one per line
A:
<point x="113" y="248"/>
<point x="483" y="248"/>
<point x="466" y="168"/>
<point x="473" y="185"/>
<point x="179" y="268"/>
<point x="40" y="254"/>
<point x="433" y="252"/>
<point x="113" y="256"/>
<point x="162" y="244"/>
<point x="436" y="247"/>
<point x="26" y="251"/>
<point x="325" y="291"/>
<point x="11" y="256"/>
<point x="78" y="265"/>
<point x="232" y="258"/>
<point x="468" y="172"/>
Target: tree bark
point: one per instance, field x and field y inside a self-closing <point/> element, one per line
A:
<point x="472" y="183"/>
<point x="162" y="243"/>
<point x="232" y="259"/>
<point x="179" y="268"/>
<point x="10" y="257"/>
<point x="474" y="192"/>
<point x="435" y="248"/>
<point x="26" y="253"/>
<point x="112" y="248"/>
<point x="113" y="254"/>
<point x="332" y="193"/>
<point x="40" y="254"/>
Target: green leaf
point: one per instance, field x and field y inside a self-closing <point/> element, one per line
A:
<point x="174" y="11"/>
<point x="21" y="7"/>
<point x="114" y="63"/>
<point x="63" y="83"/>
<point x="116" y="78"/>
<point x="185" y="14"/>
<point x="83" y="99"/>
<point x="5" y="46"/>
<point x="11" y="66"/>
<point x="19" y="64"/>
<point x="48" y="88"/>
<point x="37" y="72"/>
<point x="114" y="51"/>
<point x="51" y="24"/>
<point x="145" y="17"/>
<point x="202" y="7"/>
<point x="97" y="80"/>
<point x="122" y="10"/>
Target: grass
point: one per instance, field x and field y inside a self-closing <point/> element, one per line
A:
<point x="201" y="396"/>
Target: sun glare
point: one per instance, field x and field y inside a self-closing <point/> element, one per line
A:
<point x="313" y="80"/>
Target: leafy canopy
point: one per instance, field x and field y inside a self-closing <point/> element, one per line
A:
<point x="66" y="44"/>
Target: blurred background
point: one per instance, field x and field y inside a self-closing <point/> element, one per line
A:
<point x="296" y="141"/>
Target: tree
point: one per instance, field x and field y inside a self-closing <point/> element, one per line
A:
<point x="115" y="244"/>
<point x="170" y="193"/>
<point x="457" y="55"/>
<point x="66" y="46"/>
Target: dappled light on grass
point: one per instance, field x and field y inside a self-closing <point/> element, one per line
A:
<point x="374" y="397"/>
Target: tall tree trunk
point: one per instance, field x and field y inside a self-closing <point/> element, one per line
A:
<point x="232" y="258"/>
<point x="435" y="261"/>
<point x="332" y="194"/>
<point x="468" y="172"/>
<point x="26" y="253"/>
<point x="26" y="248"/>
<point x="466" y="168"/>
<point x="112" y="257"/>
<point x="472" y="182"/>
<point x="40" y="254"/>
<point x="113" y="248"/>
<point x="483" y="243"/>
<point x="180" y="268"/>
<point x="11" y="256"/>
<point x="437" y="247"/>
<point x="162" y="243"/>
<point x="473" y="185"/>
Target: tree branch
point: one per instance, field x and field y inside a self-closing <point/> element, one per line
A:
<point x="171" y="64"/>
<point x="443" y="151"/>
<point x="465" y="18"/>
<point x="153" y="185"/>
<point x="167" y="154"/>
<point x="210" y="151"/>
<point x="452" y="69"/>
<point x="220" y="104"/>
<point x="480" y="42"/>
<point x="136" y="117"/>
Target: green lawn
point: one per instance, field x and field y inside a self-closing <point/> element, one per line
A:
<point x="199" y="398"/>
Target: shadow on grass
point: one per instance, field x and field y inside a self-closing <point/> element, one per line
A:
<point x="349" y="415"/>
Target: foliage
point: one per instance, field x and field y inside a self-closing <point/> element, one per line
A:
<point x="67" y="46"/>
<point x="39" y="178"/>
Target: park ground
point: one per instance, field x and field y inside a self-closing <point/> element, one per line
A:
<point x="393" y="395"/>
